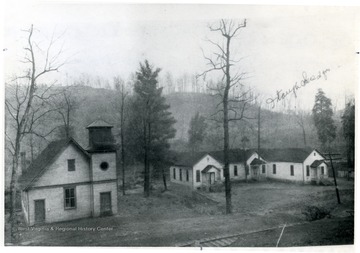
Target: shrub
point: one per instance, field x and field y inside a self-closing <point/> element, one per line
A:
<point x="218" y="187"/>
<point x="315" y="213"/>
<point x="326" y="182"/>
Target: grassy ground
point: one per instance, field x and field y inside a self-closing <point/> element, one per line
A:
<point x="271" y="196"/>
<point x="337" y="231"/>
<point x="177" y="216"/>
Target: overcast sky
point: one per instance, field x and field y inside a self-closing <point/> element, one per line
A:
<point x="279" y="44"/>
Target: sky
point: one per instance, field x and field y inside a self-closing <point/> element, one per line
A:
<point x="279" y="46"/>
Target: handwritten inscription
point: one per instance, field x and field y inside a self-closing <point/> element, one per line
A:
<point x="306" y="79"/>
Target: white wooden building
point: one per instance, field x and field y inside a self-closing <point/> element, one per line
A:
<point x="67" y="182"/>
<point x="207" y="168"/>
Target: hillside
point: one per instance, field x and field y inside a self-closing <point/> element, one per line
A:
<point x="278" y="130"/>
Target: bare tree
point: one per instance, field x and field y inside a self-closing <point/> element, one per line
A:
<point x="23" y="103"/>
<point x="66" y="103"/>
<point x="232" y="108"/>
<point x="120" y="87"/>
<point x="300" y="120"/>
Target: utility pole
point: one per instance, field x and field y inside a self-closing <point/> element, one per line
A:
<point x="333" y="170"/>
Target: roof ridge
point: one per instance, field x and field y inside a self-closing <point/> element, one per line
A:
<point x="99" y="123"/>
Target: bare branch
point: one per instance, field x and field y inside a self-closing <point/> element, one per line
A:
<point x="217" y="45"/>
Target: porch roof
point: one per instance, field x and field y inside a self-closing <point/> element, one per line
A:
<point x="316" y="163"/>
<point x="209" y="167"/>
<point x="257" y="161"/>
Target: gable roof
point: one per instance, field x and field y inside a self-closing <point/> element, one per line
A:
<point x="295" y="155"/>
<point x="99" y="123"/>
<point x="292" y="155"/>
<point x="44" y="160"/>
<point x="189" y="159"/>
<point x="235" y="155"/>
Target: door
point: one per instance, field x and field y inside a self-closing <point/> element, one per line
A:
<point x="313" y="173"/>
<point x="255" y="172"/>
<point x="39" y="211"/>
<point x="105" y="203"/>
<point x="212" y="178"/>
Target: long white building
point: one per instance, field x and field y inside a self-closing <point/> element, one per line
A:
<point x="207" y="168"/>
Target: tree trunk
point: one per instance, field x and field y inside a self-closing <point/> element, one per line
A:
<point x="246" y="174"/>
<point x="122" y="145"/>
<point x="13" y="191"/>
<point x="226" y="132"/>
<point x="146" y="163"/>
<point x="304" y="135"/>
<point x="226" y="160"/>
<point x="164" y="179"/>
<point x="67" y="126"/>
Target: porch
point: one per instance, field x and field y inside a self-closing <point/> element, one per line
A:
<point x="318" y="171"/>
<point x="257" y="169"/>
<point x="210" y="175"/>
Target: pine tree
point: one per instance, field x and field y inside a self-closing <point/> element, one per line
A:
<point x="151" y="123"/>
<point x="348" y="124"/>
<point x="322" y="115"/>
<point x="196" y="131"/>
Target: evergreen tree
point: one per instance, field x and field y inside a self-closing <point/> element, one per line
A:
<point x="196" y="131"/>
<point x="151" y="122"/>
<point x="348" y="124"/>
<point x="322" y="115"/>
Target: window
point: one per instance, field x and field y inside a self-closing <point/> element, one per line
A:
<point x="180" y="174"/>
<point x="322" y="170"/>
<point x="291" y="170"/>
<point x="174" y="173"/>
<point x="198" y="176"/>
<point x="235" y="171"/>
<point x="71" y="164"/>
<point x="263" y="168"/>
<point x="274" y="168"/>
<point x="314" y="154"/>
<point x="104" y="166"/>
<point x="69" y="198"/>
<point x="307" y="170"/>
<point x="187" y="175"/>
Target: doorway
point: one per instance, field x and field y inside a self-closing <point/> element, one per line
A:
<point x="212" y="178"/>
<point x="105" y="203"/>
<point x="39" y="211"/>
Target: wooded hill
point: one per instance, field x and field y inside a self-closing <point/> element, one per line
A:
<point x="278" y="129"/>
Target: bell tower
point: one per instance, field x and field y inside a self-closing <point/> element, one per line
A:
<point x="100" y="137"/>
<point x="102" y="148"/>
